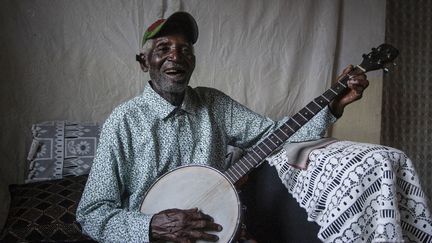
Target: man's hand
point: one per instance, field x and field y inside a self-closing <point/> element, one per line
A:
<point x="356" y="85"/>
<point x="183" y="226"/>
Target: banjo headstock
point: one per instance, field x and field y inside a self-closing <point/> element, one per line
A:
<point x="379" y="58"/>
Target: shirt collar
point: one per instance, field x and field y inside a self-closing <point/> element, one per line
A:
<point x="163" y="108"/>
<point x="190" y="101"/>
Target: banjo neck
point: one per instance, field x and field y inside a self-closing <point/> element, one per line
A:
<point x="378" y="58"/>
<point x="255" y="156"/>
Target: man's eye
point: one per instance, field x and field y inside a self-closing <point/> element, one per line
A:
<point x="186" y="50"/>
<point x="162" y="49"/>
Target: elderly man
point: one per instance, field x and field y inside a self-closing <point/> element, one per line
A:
<point x="169" y="125"/>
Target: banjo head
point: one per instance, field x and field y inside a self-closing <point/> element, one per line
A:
<point x="201" y="187"/>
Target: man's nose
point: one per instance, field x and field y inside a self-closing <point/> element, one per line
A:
<point x="175" y="55"/>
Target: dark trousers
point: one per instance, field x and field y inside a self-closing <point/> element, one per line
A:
<point x="272" y="214"/>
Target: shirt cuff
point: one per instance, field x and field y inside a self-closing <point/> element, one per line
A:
<point x="140" y="227"/>
<point x="329" y="116"/>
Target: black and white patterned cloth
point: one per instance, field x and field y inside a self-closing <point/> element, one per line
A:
<point x="358" y="192"/>
<point x="61" y="148"/>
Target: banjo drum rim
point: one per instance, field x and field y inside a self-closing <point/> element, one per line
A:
<point x="239" y="207"/>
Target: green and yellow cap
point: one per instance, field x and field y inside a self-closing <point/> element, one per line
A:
<point x="178" y="22"/>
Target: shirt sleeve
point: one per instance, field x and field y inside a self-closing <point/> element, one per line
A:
<point x="315" y="128"/>
<point x="246" y="128"/>
<point x="100" y="211"/>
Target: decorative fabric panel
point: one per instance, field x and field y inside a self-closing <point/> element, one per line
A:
<point x="61" y="148"/>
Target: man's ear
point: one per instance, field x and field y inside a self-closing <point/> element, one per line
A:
<point x="142" y="59"/>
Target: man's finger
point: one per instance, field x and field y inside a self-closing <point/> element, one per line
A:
<point x="200" y="215"/>
<point x="200" y="235"/>
<point x="358" y="77"/>
<point x="198" y="224"/>
<point x="184" y="240"/>
<point x="358" y="83"/>
<point x="192" y="210"/>
<point x="204" y="224"/>
<point x="345" y="71"/>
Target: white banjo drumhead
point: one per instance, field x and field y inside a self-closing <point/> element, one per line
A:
<point x="199" y="187"/>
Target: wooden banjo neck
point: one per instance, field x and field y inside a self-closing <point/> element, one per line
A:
<point x="376" y="59"/>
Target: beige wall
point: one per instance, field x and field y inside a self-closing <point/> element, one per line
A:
<point x="37" y="86"/>
<point x="362" y="27"/>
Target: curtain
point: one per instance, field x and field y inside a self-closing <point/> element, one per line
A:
<point x="407" y="90"/>
<point x="75" y="60"/>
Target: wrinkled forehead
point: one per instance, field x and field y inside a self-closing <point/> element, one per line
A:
<point x="174" y="38"/>
<point x="178" y="39"/>
<point x="174" y="29"/>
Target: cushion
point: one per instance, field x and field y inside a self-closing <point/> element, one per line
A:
<point x="45" y="211"/>
<point x="61" y="148"/>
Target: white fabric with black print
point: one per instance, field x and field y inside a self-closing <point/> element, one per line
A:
<point x="358" y="192"/>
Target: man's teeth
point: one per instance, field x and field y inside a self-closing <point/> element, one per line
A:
<point x="174" y="71"/>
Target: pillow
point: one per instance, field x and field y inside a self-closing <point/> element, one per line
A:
<point x="45" y="211"/>
<point x="61" y="148"/>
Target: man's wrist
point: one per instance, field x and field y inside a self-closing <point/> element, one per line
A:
<point x="337" y="111"/>
<point x="151" y="235"/>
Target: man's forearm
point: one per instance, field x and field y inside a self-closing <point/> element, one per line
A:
<point x="336" y="109"/>
<point x="107" y="224"/>
<point x="316" y="127"/>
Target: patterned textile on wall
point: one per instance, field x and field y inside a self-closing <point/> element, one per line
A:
<point x="61" y="148"/>
<point x="359" y="192"/>
<point x="407" y="90"/>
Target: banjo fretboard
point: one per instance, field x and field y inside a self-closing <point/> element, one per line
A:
<point x="271" y="143"/>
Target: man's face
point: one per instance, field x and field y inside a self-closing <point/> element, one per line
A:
<point x="171" y="62"/>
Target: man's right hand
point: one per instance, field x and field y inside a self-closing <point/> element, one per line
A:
<point x="183" y="226"/>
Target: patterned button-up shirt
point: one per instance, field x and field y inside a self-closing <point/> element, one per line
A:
<point x="147" y="136"/>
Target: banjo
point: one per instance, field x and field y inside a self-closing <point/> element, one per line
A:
<point x="213" y="192"/>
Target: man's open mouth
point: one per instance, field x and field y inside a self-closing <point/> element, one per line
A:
<point x="174" y="71"/>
